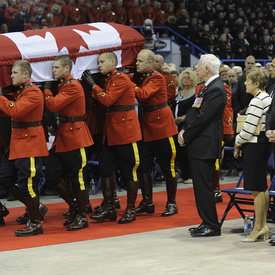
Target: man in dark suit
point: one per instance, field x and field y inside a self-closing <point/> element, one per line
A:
<point x="203" y="136"/>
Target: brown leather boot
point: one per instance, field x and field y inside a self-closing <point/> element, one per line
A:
<point x="107" y="211"/>
<point x="171" y="206"/>
<point x="62" y="190"/>
<point x="116" y="200"/>
<point x="3" y="213"/>
<point x="146" y="205"/>
<point x="26" y="217"/>
<point x="130" y="214"/>
<point x="81" y="220"/>
<point x="34" y="226"/>
<point x="216" y="185"/>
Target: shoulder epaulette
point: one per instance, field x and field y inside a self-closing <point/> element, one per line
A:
<point x="151" y="73"/>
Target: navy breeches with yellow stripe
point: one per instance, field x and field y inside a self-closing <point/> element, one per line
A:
<point x="164" y="150"/>
<point x="123" y="157"/>
<point x="71" y="166"/>
<point x="25" y="172"/>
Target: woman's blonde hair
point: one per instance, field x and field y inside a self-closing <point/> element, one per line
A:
<point x="193" y="75"/>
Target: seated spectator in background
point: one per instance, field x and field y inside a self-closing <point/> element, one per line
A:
<point x="252" y="39"/>
<point x="171" y="17"/>
<point x="207" y="40"/>
<point x="48" y="22"/>
<point x="109" y="14"/>
<point x="97" y="12"/>
<point x="256" y="151"/>
<point x="10" y="13"/>
<point x="39" y="15"/>
<point x="59" y="18"/>
<point x="240" y="47"/>
<point x="160" y="15"/>
<point x="32" y="25"/>
<point x="85" y="11"/>
<point x="74" y="15"/>
<point x="267" y="49"/>
<point x="194" y="31"/>
<point x="148" y="11"/>
<point x="22" y="18"/>
<point x="135" y="15"/>
<point x="182" y="23"/>
<point x="121" y="13"/>
<point x="223" y="48"/>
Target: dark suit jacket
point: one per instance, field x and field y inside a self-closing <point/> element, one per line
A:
<point x="203" y="132"/>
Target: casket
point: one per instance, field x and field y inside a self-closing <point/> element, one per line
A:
<point x="82" y="43"/>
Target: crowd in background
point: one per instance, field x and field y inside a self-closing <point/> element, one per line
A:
<point x="228" y="29"/>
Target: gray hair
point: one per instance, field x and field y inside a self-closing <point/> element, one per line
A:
<point x="211" y="61"/>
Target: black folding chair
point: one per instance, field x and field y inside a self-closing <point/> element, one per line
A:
<point x="241" y="198"/>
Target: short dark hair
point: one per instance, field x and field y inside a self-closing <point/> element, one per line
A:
<point x="24" y="65"/>
<point x="65" y="60"/>
<point x="110" y="55"/>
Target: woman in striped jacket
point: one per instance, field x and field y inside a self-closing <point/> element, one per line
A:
<point x="256" y="150"/>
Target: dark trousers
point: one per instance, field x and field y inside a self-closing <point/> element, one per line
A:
<point x="202" y="170"/>
<point x="123" y="157"/>
<point x="25" y="172"/>
<point x="165" y="152"/>
<point x="70" y="166"/>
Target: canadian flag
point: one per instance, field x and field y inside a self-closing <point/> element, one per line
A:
<point x="82" y="43"/>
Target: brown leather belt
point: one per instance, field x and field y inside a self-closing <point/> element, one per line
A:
<point x="18" y="124"/>
<point x="71" y="118"/>
<point x="119" y="108"/>
<point x="153" y="108"/>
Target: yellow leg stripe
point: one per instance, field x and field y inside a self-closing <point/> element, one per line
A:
<point x="80" y="173"/>
<point x="172" y="163"/>
<point x="137" y="160"/>
<point x="217" y="164"/>
<point x="30" y="182"/>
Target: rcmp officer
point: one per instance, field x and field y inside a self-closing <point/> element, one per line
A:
<point x="169" y="79"/>
<point x="158" y="128"/>
<point x="120" y="135"/>
<point x="68" y="156"/>
<point x="27" y="145"/>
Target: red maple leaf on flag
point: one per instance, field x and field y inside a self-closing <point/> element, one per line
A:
<point x="65" y="36"/>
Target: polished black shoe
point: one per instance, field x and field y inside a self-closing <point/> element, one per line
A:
<point x="43" y="210"/>
<point x="193" y="229"/>
<point x="105" y="214"/>
<point x="80" y="222"/>
<point x="144" y="206"/>
<point x="30" y="229"/>
<point x="128" y="216"/>
<point x="98" y="208"/>
<point x="171" y="209"/>
<point x="25" y="218"/>
<point x="3" y="210"/>
<point x="89" y="208"/>
<point x="206" y="232"/>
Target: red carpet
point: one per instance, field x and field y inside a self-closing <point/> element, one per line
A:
<point x="55" y="233"/>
